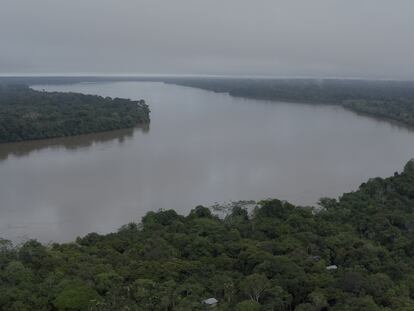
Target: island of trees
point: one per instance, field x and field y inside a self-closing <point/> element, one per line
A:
<point x="26" y="114"/>
<point x="353" y="254"/>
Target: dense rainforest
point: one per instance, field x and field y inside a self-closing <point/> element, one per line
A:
<point x="26" y="114"/>
<point x="387" y="99"/>
<point x="392" y="100"/>
<point x="352" y="254"/>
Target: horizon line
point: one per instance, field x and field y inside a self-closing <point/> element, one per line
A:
<point x="169" y="75"/>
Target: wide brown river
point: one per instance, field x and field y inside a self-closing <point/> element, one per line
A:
<point x="201" y="148"/>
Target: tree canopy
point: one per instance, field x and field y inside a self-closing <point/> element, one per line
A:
<point x="386" y="99"/>
<point x="26" y="114"/>
<point x="274" y="257"/>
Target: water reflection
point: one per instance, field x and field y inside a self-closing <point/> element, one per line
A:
<point x="21" y="149"/>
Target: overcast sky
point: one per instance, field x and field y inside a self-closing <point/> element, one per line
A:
<point x="342" y="38"/>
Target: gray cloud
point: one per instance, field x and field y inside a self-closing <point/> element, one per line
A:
<point x="354" y="38"/>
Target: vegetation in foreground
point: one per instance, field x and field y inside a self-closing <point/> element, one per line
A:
<point x="26" y="114"/>
<point x="355" y="254"/>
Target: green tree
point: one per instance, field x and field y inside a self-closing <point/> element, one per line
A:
<point x="254" y="286"/>
<point x="75" y="296"/>
<point x="248" y="305"/>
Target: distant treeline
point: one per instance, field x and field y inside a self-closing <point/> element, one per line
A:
<point x="26" y="114"/>
<point x="354" y="254"/>
<point x="388" y="99"/>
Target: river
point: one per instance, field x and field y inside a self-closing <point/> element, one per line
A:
<point x="202" y="147"/>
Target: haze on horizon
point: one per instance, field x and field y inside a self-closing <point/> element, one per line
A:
<point x="319" y="38"/>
